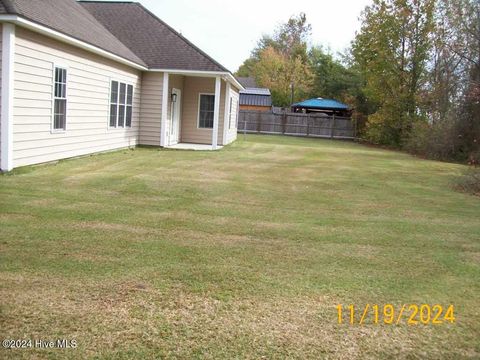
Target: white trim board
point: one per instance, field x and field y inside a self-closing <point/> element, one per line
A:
<point x="224" y="74"/>
<point x="163" y="119"/>
<point x="8" y="53"/>
<point x="216" y="112"/>
<point x="226" y="113"/>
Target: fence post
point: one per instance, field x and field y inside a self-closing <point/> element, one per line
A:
<point x="284" y="121"/>
<point x="244" y="127"/>
<point x="308" y="125"/>
<point x="259" y="124"/>
<point x="332" y="129"/>
<point x="355" y="128"/>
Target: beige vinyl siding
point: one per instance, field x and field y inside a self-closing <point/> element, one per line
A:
<point x="194" y="86"/>
<point x="151" y="108"/>
<point x="232" y="130"/>
<point x="88" y="101"/>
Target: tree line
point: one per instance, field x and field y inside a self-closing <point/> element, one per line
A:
<point x="411" y="74"/>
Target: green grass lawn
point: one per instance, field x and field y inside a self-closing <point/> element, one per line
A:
<point x="239" y="253"/>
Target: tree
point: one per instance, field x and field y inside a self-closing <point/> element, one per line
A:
<point x="277" y="72"/>
<point x="332" y="78"/>
<point x="463" y="39"/>
<point x="391" y="52"/>
<point x="285" y="50"/>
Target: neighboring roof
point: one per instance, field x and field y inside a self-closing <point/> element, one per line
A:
<point x="255" y="100"/>
<point x="72" y="19"/>
<point x="256" y="91"/>
<point x="151" y="39"/>
<point x="320" y="103"/>
<point x="247" y="82"/>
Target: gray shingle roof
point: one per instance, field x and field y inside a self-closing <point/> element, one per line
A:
<point x="70" y="18"/>
<point x="156" y="43"/>
<point x="247" y="82"/>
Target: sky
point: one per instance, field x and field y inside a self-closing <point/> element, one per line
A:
<point x="229" y="30"/>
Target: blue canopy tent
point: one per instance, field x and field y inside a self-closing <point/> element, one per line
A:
<point x="327" y="106"/>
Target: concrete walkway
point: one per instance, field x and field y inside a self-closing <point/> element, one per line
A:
<point x="187" y="146"/>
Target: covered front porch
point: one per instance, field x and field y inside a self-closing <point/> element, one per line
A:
<point x="189" y="110"/>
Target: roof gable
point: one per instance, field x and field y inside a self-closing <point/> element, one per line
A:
<point x="151" y="39"/>
<point x="70" y="18"/>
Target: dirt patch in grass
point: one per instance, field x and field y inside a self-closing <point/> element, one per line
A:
<point x="15" y="217"/>
<point x="197" y="238"/>
<point x="96" y="225"/>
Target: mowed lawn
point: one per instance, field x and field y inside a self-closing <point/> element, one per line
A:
<point x="239" y="253"/>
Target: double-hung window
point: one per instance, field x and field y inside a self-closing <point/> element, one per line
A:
<point x="230" y="113"/>
<point x="60" y="99"/>
<point x="237" y="112"/>
<point x="206" y="110"/>
<point x="121" y="102"/>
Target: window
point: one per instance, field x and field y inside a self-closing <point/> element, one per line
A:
<point x="60" y="99"/>
<point x="230" y="113"/>
<point x="128" y="116"/>
<point x="206" y="110"/>
<point x="237" y="112"/>
<point x="121" y="102"/>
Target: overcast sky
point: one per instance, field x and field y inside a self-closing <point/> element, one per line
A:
<point x="228" y="30"/>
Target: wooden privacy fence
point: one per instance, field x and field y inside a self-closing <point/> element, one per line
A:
<point x="298" y="124"/>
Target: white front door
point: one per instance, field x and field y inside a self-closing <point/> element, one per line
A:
<point x="174" y="133"/>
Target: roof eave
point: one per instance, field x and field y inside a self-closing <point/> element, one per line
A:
<point x="44" y="30"/>
<point x="203" y="73"/>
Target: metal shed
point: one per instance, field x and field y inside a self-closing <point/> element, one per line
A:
<point x="254" y="98"/>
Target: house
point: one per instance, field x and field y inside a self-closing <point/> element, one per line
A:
<point x="85" y="77"/>
<point x="253" y="97"/>
<point x="321" y="105"/>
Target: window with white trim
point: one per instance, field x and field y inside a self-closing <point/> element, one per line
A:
<point x="60" y="99"/>
<point x="121" y="103"/>
<point x="237" y="113"/>
<point x="206" y="110"/>
<point x="230" y="113"/>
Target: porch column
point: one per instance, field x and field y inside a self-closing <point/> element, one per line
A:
<point x="6" y="126"/>
<point x="226" y="121"/>
<point x="163" y="120"/>
<point x="216" y="113"/>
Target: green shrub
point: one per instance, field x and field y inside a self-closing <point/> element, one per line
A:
<point x="437" y="141"/>
<point x="470" y="181"/>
